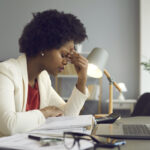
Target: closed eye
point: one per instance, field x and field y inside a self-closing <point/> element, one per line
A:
<point x="62" y="55"/>
<point x="65" y="55"/>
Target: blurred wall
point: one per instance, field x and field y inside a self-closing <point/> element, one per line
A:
<point x="110" y="24"/>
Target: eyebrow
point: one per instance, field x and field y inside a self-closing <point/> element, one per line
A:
<point x="66" y="50"/>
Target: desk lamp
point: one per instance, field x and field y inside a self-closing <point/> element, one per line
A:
<point x="96" y="63"/>
<point x="123" y="89"/>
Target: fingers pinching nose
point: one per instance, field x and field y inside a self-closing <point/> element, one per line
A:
<point x="71" y="53"/>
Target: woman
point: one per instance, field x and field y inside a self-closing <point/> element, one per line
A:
<point x="26" y="95"/>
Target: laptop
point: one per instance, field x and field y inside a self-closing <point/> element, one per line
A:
<point x="124" y="131"/>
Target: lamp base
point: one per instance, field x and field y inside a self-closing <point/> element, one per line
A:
<point x="121" y="97"/>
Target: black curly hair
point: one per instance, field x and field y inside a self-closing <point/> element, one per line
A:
<point x="50" y="29"/>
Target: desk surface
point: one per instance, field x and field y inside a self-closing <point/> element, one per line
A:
<point x="130" y="144"/>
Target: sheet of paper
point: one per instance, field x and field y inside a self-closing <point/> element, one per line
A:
<point x="57" y="133"/>
<point x="22" y="142"/>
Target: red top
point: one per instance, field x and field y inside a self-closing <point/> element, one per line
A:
<point x="33" y="101"/>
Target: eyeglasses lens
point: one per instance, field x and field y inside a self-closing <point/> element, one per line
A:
<point x="69" y="141"/>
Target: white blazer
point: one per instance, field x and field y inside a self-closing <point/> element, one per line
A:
<point x="13" y="98"/>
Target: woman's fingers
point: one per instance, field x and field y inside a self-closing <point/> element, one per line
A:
<point x="78" y="59"/>
<point x="51" y="111"/>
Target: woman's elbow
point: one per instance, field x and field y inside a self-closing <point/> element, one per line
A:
<point x="8" y="125"/>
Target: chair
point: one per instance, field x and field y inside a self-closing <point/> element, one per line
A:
<point x="90" y="107"/>
<point x="142" y="107"/>
<point x="92" y="102"/>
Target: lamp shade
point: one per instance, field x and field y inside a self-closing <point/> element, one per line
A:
<point x="97" y="60"/>
<point x="122" y="87"/>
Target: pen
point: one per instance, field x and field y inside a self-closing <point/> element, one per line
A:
<point x="40" y="138"/>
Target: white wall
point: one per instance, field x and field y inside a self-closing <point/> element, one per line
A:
<point x="110" y="24"/>
<point x="144" y="44"/>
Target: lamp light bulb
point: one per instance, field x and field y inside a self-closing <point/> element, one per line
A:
<point x="94" y="71"/>
<point x="122" y="87"/>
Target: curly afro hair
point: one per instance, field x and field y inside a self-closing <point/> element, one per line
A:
<point x="50" y="29"/>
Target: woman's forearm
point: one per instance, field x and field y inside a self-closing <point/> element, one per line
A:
<point x="81" y="85"/>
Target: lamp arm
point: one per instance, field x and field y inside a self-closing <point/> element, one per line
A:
<point x="117" y="87"/>
<point x="107" y="74"/>
<point x="111" y="81"/>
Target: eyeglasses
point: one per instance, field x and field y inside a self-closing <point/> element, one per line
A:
<point x="75" y="138"/>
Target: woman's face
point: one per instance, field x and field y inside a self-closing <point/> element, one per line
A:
<point x="54" y="60"/>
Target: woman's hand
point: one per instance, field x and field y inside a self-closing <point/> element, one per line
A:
<point x="81" y="65"/>
<point x="51" y="111"/>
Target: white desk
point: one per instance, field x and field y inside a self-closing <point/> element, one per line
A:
<point x="130" y="144"/>
<point x="124" y="104"/>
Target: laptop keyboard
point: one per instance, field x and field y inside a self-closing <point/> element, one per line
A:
<point x="137" y="130"/>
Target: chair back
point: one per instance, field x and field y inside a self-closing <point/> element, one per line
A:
<point x="142" y="107"/>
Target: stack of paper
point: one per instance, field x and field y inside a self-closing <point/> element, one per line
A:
<point x="66" y="123"/>
<point x="54" y="126"/>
